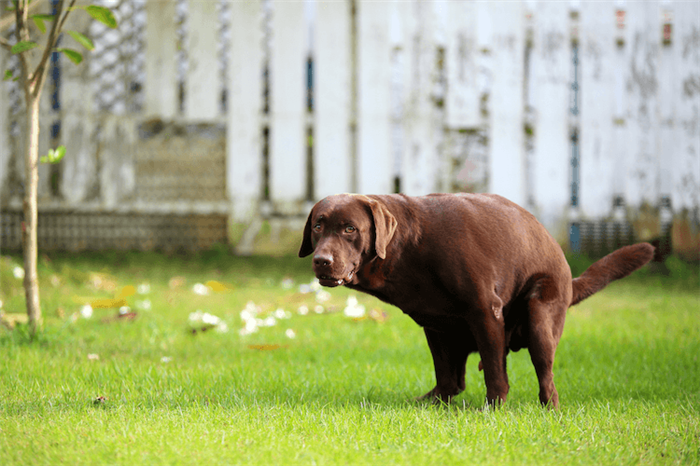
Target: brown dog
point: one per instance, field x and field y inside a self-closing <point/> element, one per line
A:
<point x="476" y="271"/>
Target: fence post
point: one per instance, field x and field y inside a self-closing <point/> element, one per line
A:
<point x="244" y="123"/>
<point x="332" y="87"/>
<point x="4" y="123"/>
<point x="202" y="82"/>
<point x="642" y="84"/>
<point x="374" y="159"/>
<point x="161" y="86"/>
<point x="597" y="108"/>
<point x="462" y="103"/>
<point x="686" y="167"/>
<point x="288" y="98"/>
<point x="507" y="168"/>
<point x="421" y="163"/>
<point x="550" y="70"/>
<point x="79" y="170"/>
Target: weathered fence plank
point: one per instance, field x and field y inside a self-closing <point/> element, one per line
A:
<point x="550" y="76"/>
<point x="288" y="167"/>
<point x="686" y="44"/>
<point x="161" y="87"/>
<point x="462" y="103"/>
<point x="421" y="161"/>
<point x="4" y="130"/>
<point x="202" y="82"/>
<point x="374" y="160"/>
<point x="597" y="108"/>
<point x="333" y="164"/>
<point x="244" y="166"/>
<point x="642" y="83"/>
<point x="507" y="162"/>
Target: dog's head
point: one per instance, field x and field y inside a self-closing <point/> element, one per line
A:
<point x="343" y="232"/>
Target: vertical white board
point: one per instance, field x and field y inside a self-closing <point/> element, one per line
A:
<point x="244" y="126"/>
<point x="597" y="107"/>
<point x="420" y="163"/>
<point x="161" y="88"/>
<point x="4" y="124"/>
<point x="462" y="103"/>
<point x="202" y="83"/>
<point x="374" y="160"/>
<point x="551" y="71"/>
<point x="507" y="162"/>
<point x="332" y="99"/>
<point x="686" y="161"/>
<point x="288" y="106"/>
<point x="642" y="84"/>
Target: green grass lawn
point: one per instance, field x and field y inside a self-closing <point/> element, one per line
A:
<point x="111" y="390"/>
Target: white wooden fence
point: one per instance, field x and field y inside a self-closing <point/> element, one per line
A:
<point x="560" y="106"/>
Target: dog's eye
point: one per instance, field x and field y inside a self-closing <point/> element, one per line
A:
<point x="349" y="229"/>
<point x="317" y="227"/>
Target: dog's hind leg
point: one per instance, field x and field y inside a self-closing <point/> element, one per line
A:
<point x="450" y="350"/>
<point x="488" y="328"/>
<point x="546" y="322"/>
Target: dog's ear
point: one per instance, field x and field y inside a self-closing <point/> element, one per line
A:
<point x="384" y="227"/>
<point x="306" y="246"/>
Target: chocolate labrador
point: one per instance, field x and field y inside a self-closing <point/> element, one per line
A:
<point x="476" y="271"/>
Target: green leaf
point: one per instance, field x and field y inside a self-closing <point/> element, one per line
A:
<point x="54" y="155"/>
<point x="39" y="21"/>
<point x="82" y="39"/>
<point x="7" y="76"/>
<point x="23" y="46"/>
<point x="103" y="15"/>
<point x="74" y="56"/>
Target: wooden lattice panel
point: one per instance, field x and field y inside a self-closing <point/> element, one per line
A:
<point x="81" y="231"/>
<point x="181" y="163"/>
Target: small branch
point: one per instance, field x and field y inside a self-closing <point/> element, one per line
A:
<point x="7" y="21"/>
<point x="5" y="43"/>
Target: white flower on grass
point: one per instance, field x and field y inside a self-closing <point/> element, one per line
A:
<point x="287" y="283"/>
<point x="304" y="289"/>
<point x="166" y="359"/>
<point x="282" y="314"/>
<point x="318" y="309"/>
<point x="266" y="322"/>
<point x="222" y="327"/>
<point x="0" y="303"/>
<point x="144" y="288"/>
<point x="145" y="304"/>
<point x="93" y="357"/>
<point x="251" y="326"/>
<point x="210" y="319"/>
<point x="86" y="311"/>
<point x="290" y="333"/>
<point x="200" y="289"/>
<point x="124" y="310"/>
<point x="303" y="310"/>
<point x="315" y="285"/>
<point x="18" y="272"/>
<point x="195" y="317"/>
<point x="322" y="296"/>
<point x="353" y="309"/>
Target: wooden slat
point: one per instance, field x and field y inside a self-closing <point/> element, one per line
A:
<point x="161" y="88"/>
<point x="507" y="163"/>
<point x="550" y="76"/>
<point x="202" y="82"/>
<point x="243" y="131"/>
<point x="288" y="93"/>
<point x="374" y="160"/>
<point x="333" y="166"/>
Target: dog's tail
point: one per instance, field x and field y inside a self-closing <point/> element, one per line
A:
<point x="612" y="267"/>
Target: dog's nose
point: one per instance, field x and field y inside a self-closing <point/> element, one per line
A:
<point x="323" y="260"/>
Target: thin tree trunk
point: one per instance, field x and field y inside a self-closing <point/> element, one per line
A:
<point x="29" y="230"/>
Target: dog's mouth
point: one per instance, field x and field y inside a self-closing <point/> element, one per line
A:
<point x="327" y="280"/>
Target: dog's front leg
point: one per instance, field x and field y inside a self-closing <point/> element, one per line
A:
<point x="450" y="351"/>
